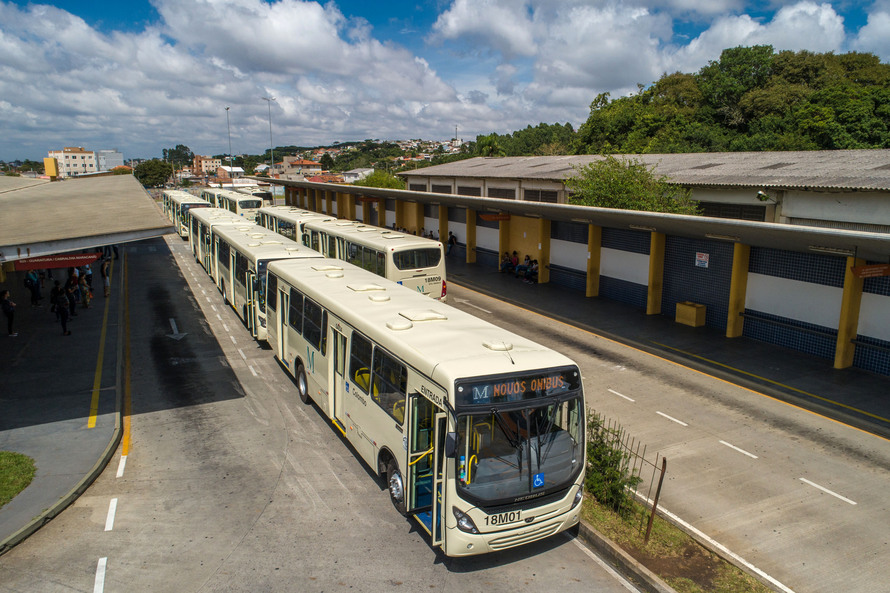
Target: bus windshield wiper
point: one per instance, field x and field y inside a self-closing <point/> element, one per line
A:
<point x="512" y="437"/>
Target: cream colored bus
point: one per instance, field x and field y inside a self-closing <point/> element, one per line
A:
<point x="415" y="262"/>
<point x="241" y="204"/>
<point x="287" y="220"/>
<point x="202" y="221"/>
<point x="478" y="433"/>
<point x="176" y="204"/>
<point x="240" y="256"/>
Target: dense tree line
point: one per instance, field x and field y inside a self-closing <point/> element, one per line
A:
<point x="751" y="99"/>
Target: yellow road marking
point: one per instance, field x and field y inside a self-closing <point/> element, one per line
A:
<point x="125" y="439"/>
<point x="97" y="377"/>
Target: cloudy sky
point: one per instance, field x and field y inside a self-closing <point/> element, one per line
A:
<point x="143" y="75"/>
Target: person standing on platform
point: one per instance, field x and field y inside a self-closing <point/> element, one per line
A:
<point x="105" y="271"/>
<point x="8" y="310"/>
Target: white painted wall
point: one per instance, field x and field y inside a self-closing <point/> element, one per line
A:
<point x="874" y="316"/>
<point x="431" y="224"/>
<point x="487" y="238"/>
<point x="358" y="210"/>
<point x="624" y="265"/>
<point x="803" y="301"/>
<point x="568" y="254"/>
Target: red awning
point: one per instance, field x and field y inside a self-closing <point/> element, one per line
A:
<point x="62" y="260"/>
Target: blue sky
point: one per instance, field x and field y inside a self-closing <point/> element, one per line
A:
<point x="140" y="76"/>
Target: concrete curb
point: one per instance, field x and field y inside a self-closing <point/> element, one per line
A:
<point x="44" y="518"/>
<point x="626" y="564"/>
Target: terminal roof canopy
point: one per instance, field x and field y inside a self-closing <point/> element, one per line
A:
<point x="44" y="218"/>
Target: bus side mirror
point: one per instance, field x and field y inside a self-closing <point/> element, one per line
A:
<point x="450" y="444"/>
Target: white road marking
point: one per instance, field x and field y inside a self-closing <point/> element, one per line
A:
<point x="99" y="585"/>
<point x="620" y="395"/>
<point x="469" y="304"/>
<point x="218" y="317"/>
<point x="742" y="451"/>
<point x="225" y="327"/>
<point x="213" y="307"/>
<point x="233" y="339"/>
<point x="252" y="371"/>
<point x="109" y="520"/>
<point x="827" y="491"/>
<point x="242" y="354"/>
<point x="121" y="466"/>
<point x="605" y="566"/>
<point x="671" y="418"/>
<point x="719" y="546"/>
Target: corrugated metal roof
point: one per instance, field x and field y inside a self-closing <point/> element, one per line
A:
<point x="824" y="169"/>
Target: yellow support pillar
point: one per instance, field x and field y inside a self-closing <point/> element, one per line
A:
<point x="544" y="249"/>
<point x="738" y="289"/>
<point x="594" y="257"/>
<point x="848" y="324"/>
<point x="471" y="236"/>
<point x="349" y="200"/>
<point x="419" y="218"/>
<point x="381" y="212"/>
<point x="329" y="202"/>
<point x="503" y="239"/>
<point x="366" y="212"/>
<point x="656" y="274"/>
<point x="443" y="225"/>
<point x="400" y="215"/>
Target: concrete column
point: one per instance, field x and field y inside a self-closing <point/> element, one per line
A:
<point x="443" y="224"/>
<point x="544" y="249"/>
<point x="594" y="256"/>
<point x="848" y="324"/>
<point x="738" y="289"/>
<point x="656" y="274"/>
<point x="471" y="236"/>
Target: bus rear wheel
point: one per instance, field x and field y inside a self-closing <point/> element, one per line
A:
<point x="396" y="486"/>
<point x="302" y="383"/>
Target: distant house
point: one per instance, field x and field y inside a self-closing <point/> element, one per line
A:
<point x="204" y="165"/>
<point x="224" y="172"/>
<point x="302" y="166"/>
<point x="355" y="174"/>
<point x="261" y="168"/>
<point x="326" y="178"/>
<point x="73" y="161"/>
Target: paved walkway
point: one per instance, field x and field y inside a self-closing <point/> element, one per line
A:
<point x="852" y="396"/>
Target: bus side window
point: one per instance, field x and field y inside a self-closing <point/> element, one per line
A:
<point x="360" y="362"/>
<point x="389" y="383"/>
<point x="313" y="320"/>
<point x="272" y="292"/>
<point x="381" y="264"/>
<point x="295" y="313"/>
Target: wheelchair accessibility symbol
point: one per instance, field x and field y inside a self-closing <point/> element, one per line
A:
<point x="537" y="480"/>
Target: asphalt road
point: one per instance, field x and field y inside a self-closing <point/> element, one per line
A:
<point x="229" y="483"/>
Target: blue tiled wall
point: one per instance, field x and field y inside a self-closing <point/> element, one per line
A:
<point x="819" y="341"/>
<point x="684" y="281"/>
<point x="569" y="278"/>
<point x="626" y="240"/>
<point x="876" y="360"/>
<point x="623" y="291"/>
<point x="804" y="267"/>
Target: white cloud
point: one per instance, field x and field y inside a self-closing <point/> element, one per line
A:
<point x="502" y="24"/>
<point x="874" y="37"/>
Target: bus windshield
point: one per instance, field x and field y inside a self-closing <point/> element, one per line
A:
<point x="507" y="456"/>
<point x="413" y="259"/>
<point x="250" y="203"/>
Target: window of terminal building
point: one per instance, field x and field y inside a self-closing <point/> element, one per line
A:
<point x="735" y="211"/>
<point x="457" y="215"/>
<point x="502" y="193"/>
<point x="465" y="190"/>
<point x="541" y="195"/>
<point x="440" y="189"/>
<point x="417" y="186"/>
<point x="573" y="232"/>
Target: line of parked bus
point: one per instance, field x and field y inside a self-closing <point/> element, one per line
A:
<point x="478" y="433"/>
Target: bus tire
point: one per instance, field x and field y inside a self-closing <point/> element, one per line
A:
<point x="396" y="486"/>
<point x="302" y="383"/>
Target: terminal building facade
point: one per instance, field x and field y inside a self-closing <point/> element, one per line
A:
<point x="792" y="249"/>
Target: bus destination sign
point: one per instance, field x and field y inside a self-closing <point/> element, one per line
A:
<point x="497" y="390"/>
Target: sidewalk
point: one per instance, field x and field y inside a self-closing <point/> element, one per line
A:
<point x="46" y="395"/>
<point x="852" y="396"/>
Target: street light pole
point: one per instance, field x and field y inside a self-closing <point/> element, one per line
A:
<point x="229" y="130"/>
<point x="271" y="151"/>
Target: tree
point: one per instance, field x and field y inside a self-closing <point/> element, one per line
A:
<point x="628" y="184"/>
<point x="153" y="173"/>
<point x="180" y="155"/>
<point x="327" y="161"/>
<point x="489" y="146"/>
<point x="380" y="178"/>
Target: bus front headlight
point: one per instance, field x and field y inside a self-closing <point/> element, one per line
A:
<point x="464" y="523"/>
<point x="579" y="496"/>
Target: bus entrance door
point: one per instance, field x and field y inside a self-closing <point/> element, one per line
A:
<point x="425" y="488"/>
<point x="338" y="379"/>
<point x="250" y="314"/>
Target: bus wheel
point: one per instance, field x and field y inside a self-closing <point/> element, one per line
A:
<point x="396" y="486"/>
<point x="302" y="383"/>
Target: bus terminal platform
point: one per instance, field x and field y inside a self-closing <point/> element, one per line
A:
<point x="46" y="379"/>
